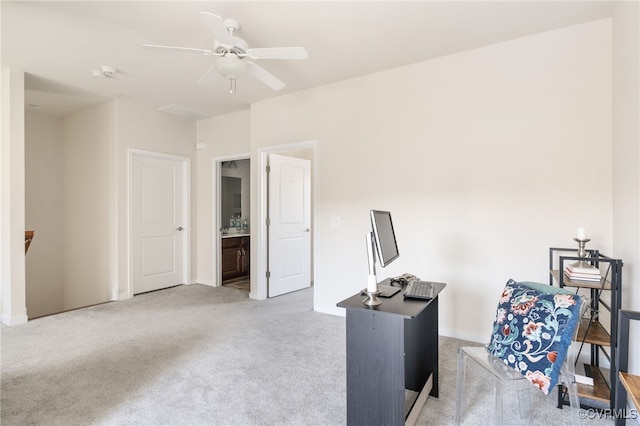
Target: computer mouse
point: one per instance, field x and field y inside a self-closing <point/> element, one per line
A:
<point x="398" y="280"/>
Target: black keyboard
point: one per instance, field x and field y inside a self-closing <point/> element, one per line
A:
<point x="419" y="290"/>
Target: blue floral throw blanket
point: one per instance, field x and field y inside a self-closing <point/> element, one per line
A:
<point x="533" y="329"/>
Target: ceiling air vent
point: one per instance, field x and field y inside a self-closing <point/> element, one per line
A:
<point x="184" y="112"/>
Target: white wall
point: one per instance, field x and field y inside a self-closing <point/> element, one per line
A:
<point x="626" y="158"/>
<point x="44" y="188"/>
<point x="219" y="138"/>
<point x="96" y="145"/>
<point x="486" y="159"/>
<point x="139" y="127"/>
<point x="89" y="205"/>
<point x="226" y="136"/>
<point x="12" y="259"/>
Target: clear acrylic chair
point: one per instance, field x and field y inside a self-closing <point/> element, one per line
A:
<point x="514" y="344"/>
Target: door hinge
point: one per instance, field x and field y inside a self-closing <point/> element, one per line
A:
<point x="268" y="274"/>
<point x="268" y="222"/>
<point x="268" y="169"/>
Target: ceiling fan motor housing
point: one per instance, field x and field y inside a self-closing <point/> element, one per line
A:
<point x="231" y="25"/>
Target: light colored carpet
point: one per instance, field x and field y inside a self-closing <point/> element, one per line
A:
<point x="197" y="355"/>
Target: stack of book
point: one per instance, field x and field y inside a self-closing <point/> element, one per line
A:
<point x="582" y="272"/>
<point x="583" y="374"/>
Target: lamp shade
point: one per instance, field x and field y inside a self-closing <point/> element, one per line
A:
<point x="231" y="66"/>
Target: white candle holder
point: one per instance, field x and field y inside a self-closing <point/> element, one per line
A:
<point x="582" y="252"/>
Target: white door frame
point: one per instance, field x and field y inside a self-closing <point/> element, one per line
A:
<point x="216" y="211"/>
<point x="186" y="211"/>
<point x="259" y="250"/>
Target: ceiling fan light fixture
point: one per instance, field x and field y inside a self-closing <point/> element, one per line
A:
<point x="231" y="67"/>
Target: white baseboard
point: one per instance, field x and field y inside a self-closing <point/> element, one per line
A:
<point x="253" y="295"/>
<point x="341" y="312"/>
<point x="17" y="320"/>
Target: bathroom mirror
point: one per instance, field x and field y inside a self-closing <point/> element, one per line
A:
<point x="231" y="199"/>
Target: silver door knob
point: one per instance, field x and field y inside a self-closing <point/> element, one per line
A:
<point x="179" y="228"/>
<point x="307" y="230"/>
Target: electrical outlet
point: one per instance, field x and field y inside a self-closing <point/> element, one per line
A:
<point x="335" y="222"/>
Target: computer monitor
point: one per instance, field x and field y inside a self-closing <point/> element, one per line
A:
<point x="384" y="237"/>
<point x="381" y="241"/>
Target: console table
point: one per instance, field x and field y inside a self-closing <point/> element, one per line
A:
<point x="390" y="348"/>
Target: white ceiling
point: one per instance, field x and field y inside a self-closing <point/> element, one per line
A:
<point x="58" y="44"/>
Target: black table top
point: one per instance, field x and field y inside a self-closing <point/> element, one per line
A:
<point x="396" y="305"/>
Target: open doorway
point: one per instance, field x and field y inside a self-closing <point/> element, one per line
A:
<point x="233" y="238"/>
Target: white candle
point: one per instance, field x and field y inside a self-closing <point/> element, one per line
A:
<point x="581" y="233"/>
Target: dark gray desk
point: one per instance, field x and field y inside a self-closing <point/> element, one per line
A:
<point x="390" y="347"/>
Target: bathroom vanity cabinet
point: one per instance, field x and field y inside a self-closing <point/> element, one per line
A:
<point x="235" y="256"/>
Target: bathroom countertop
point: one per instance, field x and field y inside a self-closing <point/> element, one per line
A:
<point x="236" y="234"/>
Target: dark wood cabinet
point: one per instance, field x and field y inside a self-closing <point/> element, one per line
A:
<point x="235" y="257"/>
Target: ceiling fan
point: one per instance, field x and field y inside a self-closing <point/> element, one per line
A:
<point x="233" y="54"/>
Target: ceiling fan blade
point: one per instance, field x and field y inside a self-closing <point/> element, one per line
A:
<point x="264" y="76"/>
<point x="218" y="28"/>
<point x="178" y="49"/>
<point x="208" y="76"/>
<point x="278" y="53"/>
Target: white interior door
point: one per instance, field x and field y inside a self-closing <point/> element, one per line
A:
<point x="158" y="211"/>
<point x="289" y="224"/>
